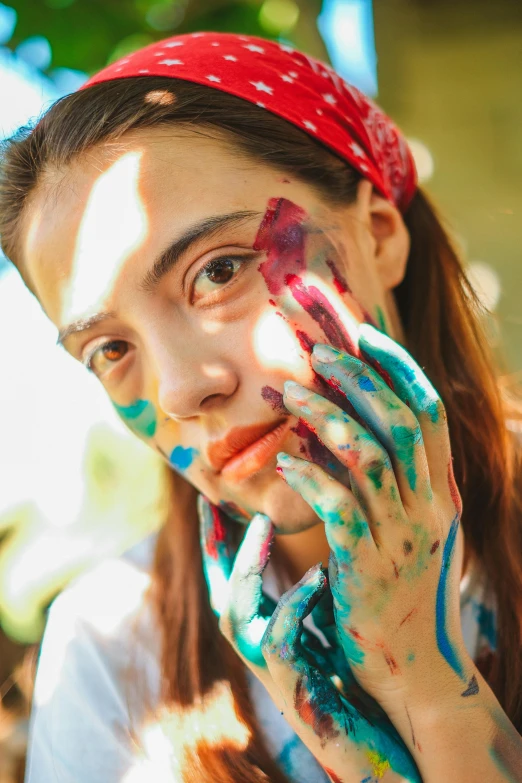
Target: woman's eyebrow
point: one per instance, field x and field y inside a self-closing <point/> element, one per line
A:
<point x="204" y="229"/>
<point x="207" y="228"/>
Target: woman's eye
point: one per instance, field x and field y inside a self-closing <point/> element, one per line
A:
<point x="216" y="274"/>
<point x="105" y="356"/>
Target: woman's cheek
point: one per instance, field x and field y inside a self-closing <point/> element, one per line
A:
<point x="140" y="417"/>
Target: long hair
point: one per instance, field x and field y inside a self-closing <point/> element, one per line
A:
<point x="441" y="318"/>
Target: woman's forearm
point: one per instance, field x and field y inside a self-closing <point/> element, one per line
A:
<point x="462" y="739"/>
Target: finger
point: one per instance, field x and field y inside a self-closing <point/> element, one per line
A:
<point x="392" y="422"/>
<point x="242" y="622"/>
<point x="414" y="388"/>
<point x="217" y="552"/>
<point x="332" y="727"/>
<point x="316" y="701"/>
<point x="371" y="473"/>
<point x="346" y="527"/>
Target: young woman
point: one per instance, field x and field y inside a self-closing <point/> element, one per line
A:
<point x="232" y="240"/>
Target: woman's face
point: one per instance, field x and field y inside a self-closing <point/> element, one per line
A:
<point x="194" y="282"/>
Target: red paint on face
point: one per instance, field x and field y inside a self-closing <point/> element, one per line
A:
<point x="306" y="342"/>
<point x="339" y="281"/>
<point x="281" y="234"/>
<point x="434" y="547"/>
<point x="319" y="308"/>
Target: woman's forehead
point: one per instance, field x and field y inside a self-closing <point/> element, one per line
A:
<point x="114" y="207"/>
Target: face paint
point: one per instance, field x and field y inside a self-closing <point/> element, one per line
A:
<point x="181" y="458"/>
<point x="274" y="399"/>
<point x="281" y="234"/>
<point x="339" y="281"/>
<point x="140" y="417"/>
<point x="315" y="303"/>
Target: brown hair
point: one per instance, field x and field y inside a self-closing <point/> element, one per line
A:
<point x="440" y="314"/>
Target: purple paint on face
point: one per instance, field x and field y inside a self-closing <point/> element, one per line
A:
<point x="313" y="448"/>
<point x="281" y="234"/>
<point x="339" y="281"/>
<point x="273" y="398"/>
<point x="319" y="308"/>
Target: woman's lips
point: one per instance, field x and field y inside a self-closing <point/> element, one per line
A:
<point x="245" y="450"/>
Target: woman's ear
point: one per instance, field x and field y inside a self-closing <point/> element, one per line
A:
<point x="390" y="237"/>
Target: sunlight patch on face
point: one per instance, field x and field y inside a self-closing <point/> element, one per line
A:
<point x="114" y="224"/>
<point x="212" y="327"/>
<point x="275" y="343"/>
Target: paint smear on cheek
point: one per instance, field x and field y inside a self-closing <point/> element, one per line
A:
<point x="281" y="235"/>
<point x="139" y="416"/>
<point x="274" y="398"/>
<point x="182" y="458"/>
<point x="339" y="281"/>
<point x="322" y="312"/>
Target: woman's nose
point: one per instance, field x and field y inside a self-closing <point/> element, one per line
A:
<point x="191" y="384"/>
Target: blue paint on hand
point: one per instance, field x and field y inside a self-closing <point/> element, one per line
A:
<point x="444" y="644"/>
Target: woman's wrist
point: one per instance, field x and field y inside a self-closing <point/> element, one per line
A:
<point x="465" y="739"/>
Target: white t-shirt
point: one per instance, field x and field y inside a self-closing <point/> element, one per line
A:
<point x="100" y="651"/>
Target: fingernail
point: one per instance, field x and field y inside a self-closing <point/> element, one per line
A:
<point x="324" y="353"/>
<point x="286" y="460"/>
<point x="295" y="391"/>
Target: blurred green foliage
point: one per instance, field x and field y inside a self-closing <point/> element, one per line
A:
<point x="87" y="34"/>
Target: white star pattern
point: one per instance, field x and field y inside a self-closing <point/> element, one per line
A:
<point x="363" y="167"/>
<point x="144" y="70"/>
<point x="286" y="78"/>
<point x="285" y="48"/>
<point x="159" y="54"/>
<point x="213" y="78"/>
<point x="172" y="44"/>
<point x="171" y="62"/>
<point x="309" y="125"/>
<point x="214" y="43"/>
<point x="230" y="57"/>
<point x="261" y="104"/>
<point x="329" y="98"/>
<point x="293" y="74"/>
<point x="319" y="112"/>
<point x="357" y="151"/>
<point x="262" y="87"/>
<point x="254" y="48"/>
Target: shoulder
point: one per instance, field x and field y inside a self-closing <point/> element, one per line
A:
<point x="99" y="631"/>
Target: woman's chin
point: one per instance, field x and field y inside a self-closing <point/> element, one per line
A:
<point x="287" y="510"/>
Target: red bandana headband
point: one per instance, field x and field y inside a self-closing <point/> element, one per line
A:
<point x="300" y="89"/>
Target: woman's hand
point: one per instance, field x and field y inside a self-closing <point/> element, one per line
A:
<point x="396" y="551"/>
<point x="351" y="744"/>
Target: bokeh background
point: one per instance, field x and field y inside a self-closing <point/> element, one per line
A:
<point x="75" y="486"/>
